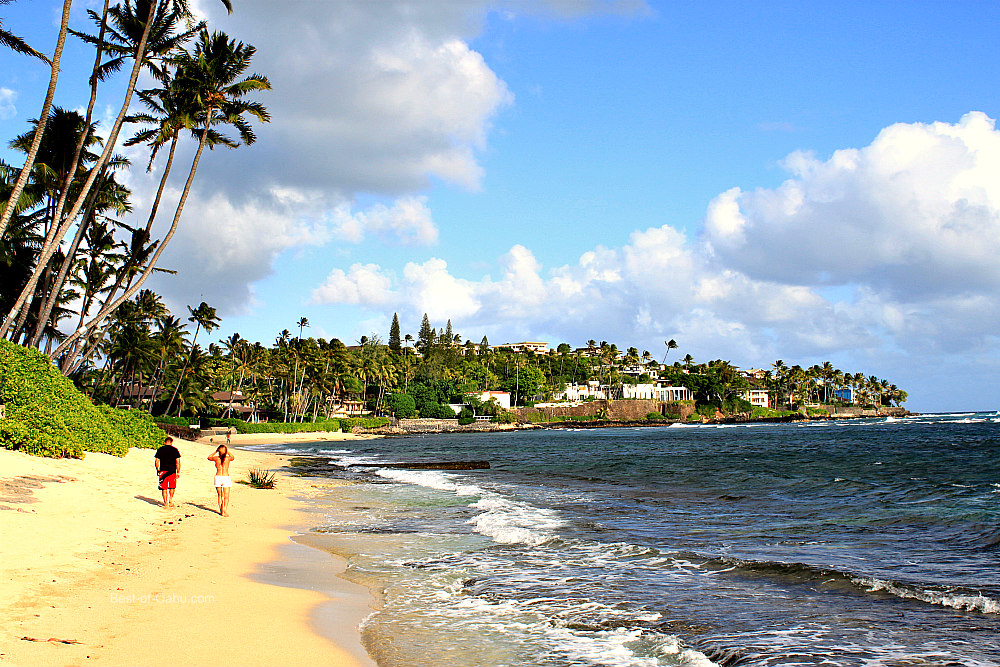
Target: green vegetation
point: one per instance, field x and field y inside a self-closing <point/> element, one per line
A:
<point x="174" y="421"/>
<point x="768" y="413"/>
<point x="285" y="427"/>
<point x="347" y="425"/>
<point x="504" y="418"/>
<point x="260" y="479"/>
<point x="47" y="416"/>
<point x="655" y="416"/>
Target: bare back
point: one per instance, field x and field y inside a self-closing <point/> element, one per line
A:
<point x="222" y="462"/>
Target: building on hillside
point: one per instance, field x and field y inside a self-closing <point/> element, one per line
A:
<point x="536" y="347"/>
<point x="583" y="391"/>
<point x="501" y="397"/>
<point x="845" y="394"/>
<point x="237" y="404"/>
<point x="754" y="374"/>
<point x="135" y="394"/>
<point x="756" y="397"/>
<point x="649" y="390"/>
<point x="645" y="390"/>
<point x="341" y="407"/>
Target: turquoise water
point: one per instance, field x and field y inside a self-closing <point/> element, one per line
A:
<point x="873" y="542"/>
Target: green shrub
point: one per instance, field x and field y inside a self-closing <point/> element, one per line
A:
<point x="654" y="416"/>
<point x="504" y="418"/>
<point x="175" y="421"/>
<point x="48" y="416"/>
<point x="465" y="421"/>
<point x="136" y="426"/>
<point x="235" y="423"/>
<point x="436" y="411"/>
<point x="347" y="425"/>
<point x="736" y="405"/>
<point x="260" y="479"/>
<point x="707" y="409"/>
<point x="401" y="405"/>
<point x="289" y="427"/>
<point x="768" y="413"/>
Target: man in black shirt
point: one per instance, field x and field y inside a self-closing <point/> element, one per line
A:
<point x="168" y="466"/>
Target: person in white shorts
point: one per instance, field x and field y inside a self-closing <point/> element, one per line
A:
<point x="223" y="482"/>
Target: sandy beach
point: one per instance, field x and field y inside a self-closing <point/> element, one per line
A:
<point x="94" y="571"/>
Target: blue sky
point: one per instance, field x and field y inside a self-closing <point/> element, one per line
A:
<point x="755" y="180"/>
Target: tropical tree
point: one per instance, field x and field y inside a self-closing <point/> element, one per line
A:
<point x="11" y="41"/>
<point x="204" y="317"/>
<point x="211" y="77"/>
<point x="671" y="345"/>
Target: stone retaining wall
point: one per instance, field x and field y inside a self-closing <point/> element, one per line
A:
<point x="411" y="426"/>
<point x="634" y="409"/>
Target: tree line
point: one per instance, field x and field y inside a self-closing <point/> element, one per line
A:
<point x="69" y="260"/>
<point x="153" y="360"/>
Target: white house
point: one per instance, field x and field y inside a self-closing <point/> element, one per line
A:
<point x="502" y="398"/>
<point x="579" y="392"/>
<point x="756" y="397"/>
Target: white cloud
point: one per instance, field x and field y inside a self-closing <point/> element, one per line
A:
<point x="363" y="283"/>
<point x="222" y="248"/>
<point x="367" y="97"/>
<point x="408" y="221"/>
<point x="908" y="228"/>
<point x="914" y="213"/>
<point x="7" y="99"/>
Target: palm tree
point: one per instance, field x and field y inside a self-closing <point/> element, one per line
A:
<point x="205" y="318"/>
<point x="302" y="323"/>
<point x="15" y="43"/>
<point x="211" y="78"/>
<point x="671" y="345"/>
<point x="155" y="12"/>
<point x="8" y="39"/>
<point x="170" y="341"/>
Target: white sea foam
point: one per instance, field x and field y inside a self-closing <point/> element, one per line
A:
<point x="503" y="520"/>
<point x="347" y="461"/>
<point x="430" y="479"/>
<point x="978" y="602"/>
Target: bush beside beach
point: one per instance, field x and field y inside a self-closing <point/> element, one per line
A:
<point x="46" y="415"/>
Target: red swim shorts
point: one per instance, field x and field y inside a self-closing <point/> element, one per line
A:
<point x="168" y="481"/>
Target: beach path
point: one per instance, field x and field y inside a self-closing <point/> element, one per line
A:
<point x="94" y="571"/>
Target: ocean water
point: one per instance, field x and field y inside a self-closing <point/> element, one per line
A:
<point x="864" y="542"/>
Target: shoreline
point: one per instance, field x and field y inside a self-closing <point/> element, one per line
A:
<point x="434" y="425"/>
<point x="100" y="573"/>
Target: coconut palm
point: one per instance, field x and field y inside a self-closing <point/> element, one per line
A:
<point x="140" y="52"/>
<point x="204" y="317"/>
<point x="671" y="345"/>
<point x="22" y="179"/>
<point x="211" y="77"/>
<point x="15" y="43"/>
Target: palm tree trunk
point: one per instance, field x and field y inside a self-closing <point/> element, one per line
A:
<point x="183" y="370"/>
<point x="70" y="175"/>
<point x="61" y="228"/>
<point x="56" y="289"/>
<point x="36" y="141"/>
<point x="151" y="264"/>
